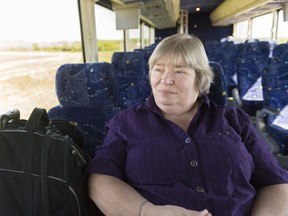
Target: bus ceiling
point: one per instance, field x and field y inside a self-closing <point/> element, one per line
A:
<point x="232" y="11"/>
<point x="162" y="14"/>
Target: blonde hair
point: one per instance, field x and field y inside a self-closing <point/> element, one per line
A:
<point x="187" y="49"/>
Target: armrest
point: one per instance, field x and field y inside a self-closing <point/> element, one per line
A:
<point x="236" y="98"/>
<point x="283" y="161"/>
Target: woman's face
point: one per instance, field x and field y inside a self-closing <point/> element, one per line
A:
<point x="174" y="87"/>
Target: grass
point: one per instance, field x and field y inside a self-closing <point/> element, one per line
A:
<point x="105" y="56"/>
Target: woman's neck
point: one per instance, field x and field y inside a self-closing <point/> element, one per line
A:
<point x="183" y="120"/>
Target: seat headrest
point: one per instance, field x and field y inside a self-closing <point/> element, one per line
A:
<point x="86" y="85"/>
<point x="218" y="89"/>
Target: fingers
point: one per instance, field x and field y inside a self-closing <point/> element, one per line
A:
<point x="205" y="213"/>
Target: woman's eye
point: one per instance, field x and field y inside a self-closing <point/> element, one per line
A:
<point x="157" y="70"/>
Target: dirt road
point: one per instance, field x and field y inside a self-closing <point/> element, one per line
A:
<point x="27" y="79"/>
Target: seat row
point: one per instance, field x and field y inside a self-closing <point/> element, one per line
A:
<point x="91" y="94"/>
<point x="257" y="78"/>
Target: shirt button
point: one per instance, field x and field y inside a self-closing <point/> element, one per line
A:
<point x="187" y="140"/>
<point x="200" y="189"/>
<point x="194" y="163"/>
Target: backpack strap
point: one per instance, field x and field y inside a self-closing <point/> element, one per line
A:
<point x="38" y="117"/>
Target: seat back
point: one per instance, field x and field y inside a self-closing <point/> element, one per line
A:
<point x="280" y="52"/>
<point x="275" y="79"/>
<point x="228" y="54"/>
<point x="255" y="58"/>
<point x="275" y="91"/>
<point x="218" y="89"/>
<point x="87" y="95"/>
<point x="132" y="77"/>
<point x="231" y="57"/>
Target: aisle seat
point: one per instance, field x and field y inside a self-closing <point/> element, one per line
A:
<point x="218" y="89"/>
<point x="275" y="92"/>
<point x="248" y="94"/>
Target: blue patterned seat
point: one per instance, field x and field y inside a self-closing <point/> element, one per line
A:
<point x="255" y="58"/>
<point x="228" y="55"/>
<point x="231" y="57"/>
<point x="132" y="77"/>
<point x="275" y="90"/>
<point x="87" y="95"/>
<point x="214" y="51"/>
<point x="218" y="89"/>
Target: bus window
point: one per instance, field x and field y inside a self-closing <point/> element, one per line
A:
<point x="282" y="29"/>
<point x="109" y="39"/>
<point x="145" y="35"/>
<point x="134" y="39"/>
<point x="35" y="40"/>
<point x="241" y="31"/>
<point x="262" y="27"/>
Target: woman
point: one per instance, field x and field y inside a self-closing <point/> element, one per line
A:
<point x="181" y="154"/>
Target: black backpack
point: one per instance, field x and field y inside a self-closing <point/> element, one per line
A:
<point x="42" y="172"/>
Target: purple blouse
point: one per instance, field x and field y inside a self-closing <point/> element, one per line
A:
<point x="219" y="164"/>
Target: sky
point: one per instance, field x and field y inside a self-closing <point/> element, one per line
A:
<point x="48" y="21"/>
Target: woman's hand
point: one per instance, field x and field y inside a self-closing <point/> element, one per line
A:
<point x="170" y="210"/>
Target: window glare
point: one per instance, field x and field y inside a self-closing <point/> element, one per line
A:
<point x="106" y="24"/>
<point x="241" y="30"/>
<point x="109" y="39"/>
<point x="262" y="27"/>
<point x="282" y="29"/>
<point x="134" y="39"/>
<point x="146" y="35"/>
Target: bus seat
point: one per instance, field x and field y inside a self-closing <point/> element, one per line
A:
<point x="228" y="55"/>
<point x="231" y="56"/>
<point x="213" y="50"/>
<point x="86" y="84"/>
<point x="257" y="49"/>
<point x="280" y="52"/>
<point x="250" y="86"/>
<point x="274" y="116"/>
<point x="254" y="59"/>
<point x="218" y="89"/>
<point x="87" y="95"/>
<point x="132" y="77"/>
<point x="148" y="51"/>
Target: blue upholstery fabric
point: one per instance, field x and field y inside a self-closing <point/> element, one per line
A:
<point x="231" y="57"/>
<point x="255" y="58"/>
<point x="86" y="85"/>
<point x="132" y="77"/>
<point x="218" y="89"/>
<point x="87" y="94"/>
<point x="228" y="55"/>
<point x="275" y="90"/>
<point x="214" y="50"/>
<point x="89" y="120"/>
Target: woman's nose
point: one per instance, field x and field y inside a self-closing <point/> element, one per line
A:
<point x="167" y="78"/>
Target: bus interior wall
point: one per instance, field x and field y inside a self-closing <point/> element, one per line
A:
<point x="200" y="25"/>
